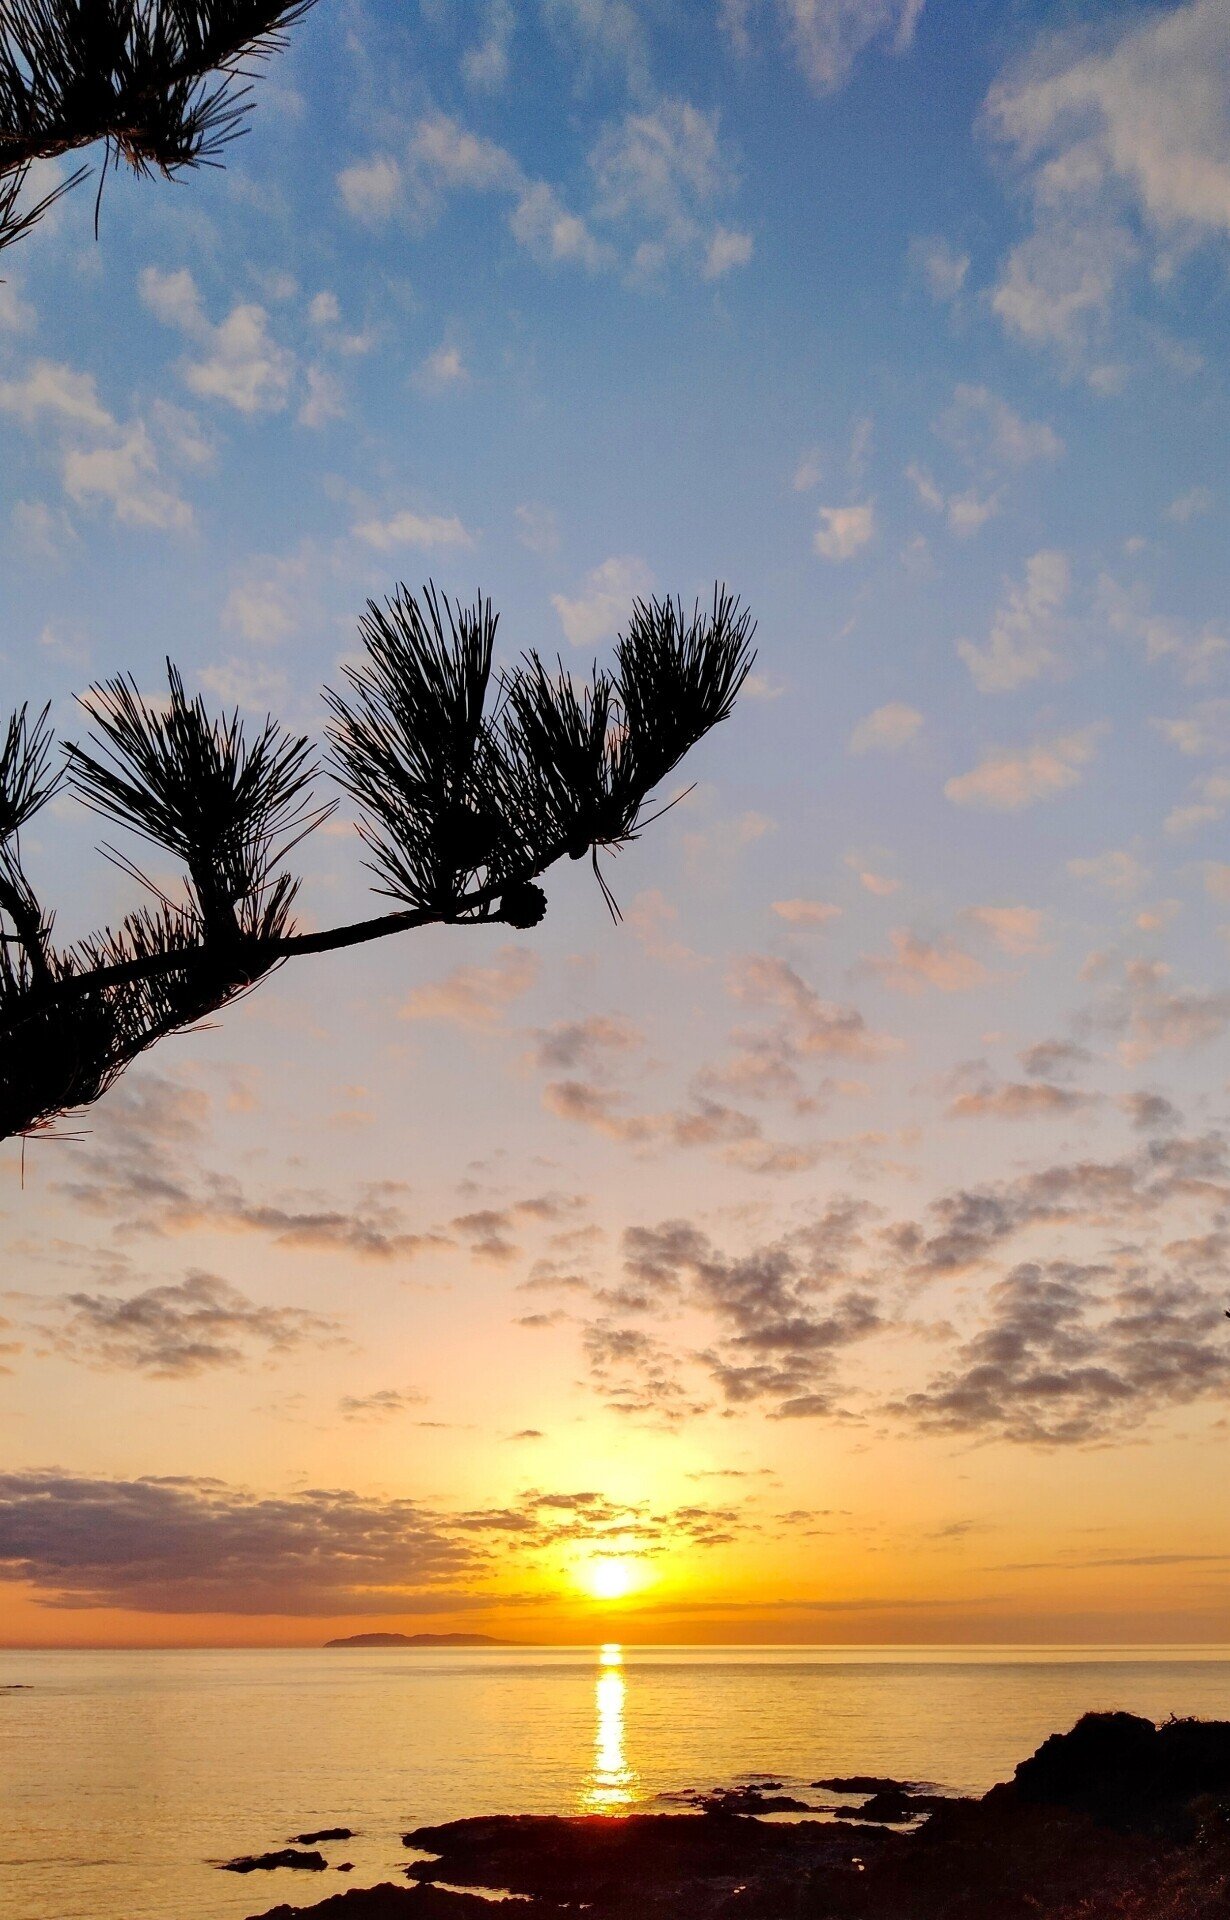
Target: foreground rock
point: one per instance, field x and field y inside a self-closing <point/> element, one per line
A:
<point x="643" y="1864"/>
<point x="1116" y="1820"/>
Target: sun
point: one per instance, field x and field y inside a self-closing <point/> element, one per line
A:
<point x="610" y="1578"/>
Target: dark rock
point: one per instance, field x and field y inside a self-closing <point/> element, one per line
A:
<point x="866" y="1783"/>
<point x="1125" y="1772"/>
<point x="326" y="1833"/>
<point x="746" y="1799"/>
<point x="892" y="1808"/>
<point x="283" y="1857"/>
<point x="642" y="1864"/>
<point x="388" y="1902"/>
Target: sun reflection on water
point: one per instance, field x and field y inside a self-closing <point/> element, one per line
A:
<point x="609" y="1786"/>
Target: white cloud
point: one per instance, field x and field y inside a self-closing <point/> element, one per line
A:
<point x="965" y="512"/>
<point x="727" y="248"/>
<point x="542" y="224"/>
<point x="443" y="157"/>
<point x="324" y="400"/>
<point x="1007" y="780"/>
<point x="1117" y="872"/>
<point x="1028" y="629"/>
<point x="1189" y="505"/>
<point x="242" y="365"/>
<point x="409" y="529"/>
<point x="125" y="474"/>
<point x="485" y="67"/>
<point x="915" y="963"/>
<point x="806" y="913"/>
<point x="842" y="532"/>
<point x="443" y="368"/>
<point x="42" y="530"/>
<point x="49" y="388"/>
<point x="989" y="433"/>
<point x="102" y="458"/>
<point x="244" y="683"/>
<point x="657" y="170"/>
<point x="15" y="314"/>
<point x="246" y="368"/>
<point x="1209" y="800"/>
<point x="605" y="600"/>
<point x="371" y="189"/>
<point x="265" y="606"/>
<point x="538" y="527"/>
<point x="324" y="309"/>
<point x="1198" y="653"/>
<point x="1204" y="729"/>
<point x="829" y="35"/>
<point x="476" y="997"/>
<point x="942" y="268"/>
<point x="1134" y="129"/>
<point x="1015" y="930"/>
<point x="886" y="729"/>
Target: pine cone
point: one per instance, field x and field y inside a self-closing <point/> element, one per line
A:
<point x="523" y="905"/>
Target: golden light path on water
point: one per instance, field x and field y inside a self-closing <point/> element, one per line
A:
<point x="611" y="1782"/>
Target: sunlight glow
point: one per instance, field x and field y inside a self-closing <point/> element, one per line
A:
<point x="608" y="1578"/>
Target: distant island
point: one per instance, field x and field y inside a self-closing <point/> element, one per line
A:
<point x="421" y="1640"/>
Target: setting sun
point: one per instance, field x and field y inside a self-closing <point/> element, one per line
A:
<point x="610" y="1578"/>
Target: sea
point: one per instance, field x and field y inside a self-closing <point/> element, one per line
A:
<point x="126" y="1778"/>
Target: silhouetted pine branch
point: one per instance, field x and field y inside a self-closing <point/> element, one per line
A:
<point x="164" y="84"/>
<point x="469" y="787"/>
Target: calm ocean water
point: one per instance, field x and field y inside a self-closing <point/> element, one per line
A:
<point x="124" y="1775"/>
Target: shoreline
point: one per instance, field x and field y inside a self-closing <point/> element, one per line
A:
<point x="1119" y="1818"/>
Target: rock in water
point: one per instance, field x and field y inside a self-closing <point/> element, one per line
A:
<point x="283" y="1857"/>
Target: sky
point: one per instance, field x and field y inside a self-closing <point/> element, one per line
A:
<point x="834" y="1250"/>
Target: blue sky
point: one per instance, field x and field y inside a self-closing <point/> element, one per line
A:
<point x="907" y="321"/>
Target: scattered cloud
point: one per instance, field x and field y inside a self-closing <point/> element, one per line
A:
<point x="241" y="363"/>
<point x="442" y="369"/>
<point x="176" y="1330"/>
<point x="806" y="913"/>
<point x="181" y="1545"/>
<point x="728" y="248"/>
<point x="1204" y="729"/>
<point x="1018" y="1100"/>
<point x="915" y="964"/>
<point x="143" y="1168"/>
<point x="382" y="1404"/>
<point x="1117" y="872"/>
<point x="843" y="532"/>
<point x="1028" y="632"/>
<point x="887" y="729"/>
<point x="485" y="65"/>
<point x="828" y="36"/>
<point x="476" y="998"/>
<point x="940" y="266"/>
<point x="1007" y="781"/>
<point x="1015" y="930"/>
<point x="1073" y="1354"/>
<point x="1121" y="141"/>
<point x="426" y="531"/>
<point x="102" y="459"/>
<point x="990" y="434"/>
<point x="604" y="602"/>
<point x="1190" y="505"/>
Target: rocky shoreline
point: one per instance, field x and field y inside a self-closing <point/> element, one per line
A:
<point x="1115" y="1820"/>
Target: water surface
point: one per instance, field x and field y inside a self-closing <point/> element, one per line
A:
<point x="123" y="1775"/>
